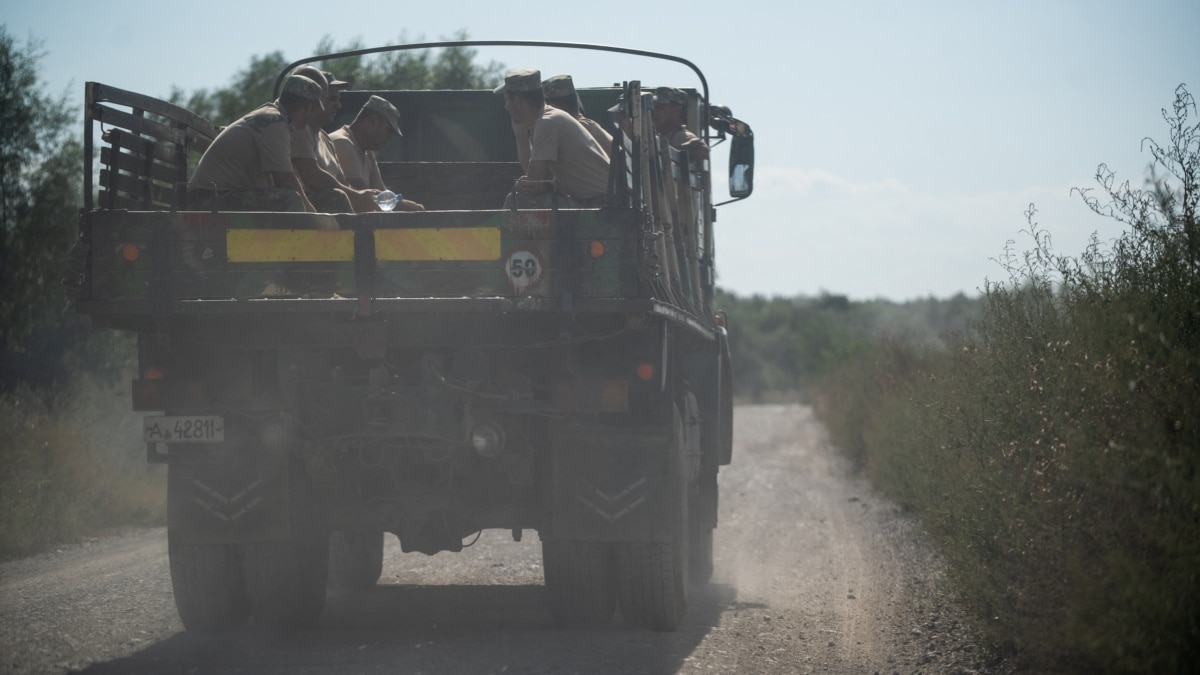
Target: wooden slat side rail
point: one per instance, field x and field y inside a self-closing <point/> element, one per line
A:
<point x="135" y="163"/>
<point x="108" y="94"/>
<point x="140" y="125"/>
<point x="147" y="194"/>
<point x="148" y="148"/>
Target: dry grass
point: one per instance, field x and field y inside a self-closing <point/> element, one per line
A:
<point x="73" y="468"/>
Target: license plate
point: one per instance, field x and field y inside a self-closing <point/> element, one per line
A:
<point x="184" y="429"/>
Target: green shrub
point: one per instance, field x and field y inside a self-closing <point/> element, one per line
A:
<point x="1053" y="450"/>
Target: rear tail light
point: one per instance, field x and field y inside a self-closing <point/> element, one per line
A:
<point x="645" y="372"/>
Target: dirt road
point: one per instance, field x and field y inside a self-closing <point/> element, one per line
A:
<point x="814" y="573"/>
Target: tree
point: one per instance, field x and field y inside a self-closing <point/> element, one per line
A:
<point x="39" y="194"/>
<point x="450" y="68"/>
<point x="249" y="89"/>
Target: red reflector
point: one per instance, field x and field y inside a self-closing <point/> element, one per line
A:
<point x="154" y="373"/>
<point x="596" y="249"/>
<point x="645" y="371"/>
<point x="131" y="252"/>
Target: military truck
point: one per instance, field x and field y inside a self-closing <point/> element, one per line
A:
<point x="314" y="381"/>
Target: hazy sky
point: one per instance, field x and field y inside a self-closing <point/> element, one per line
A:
<point x="898" y="143"/>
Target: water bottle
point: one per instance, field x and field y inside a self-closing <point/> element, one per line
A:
<point x="387" y="200"/>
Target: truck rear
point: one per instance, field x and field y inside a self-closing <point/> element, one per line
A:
<point x="314" y="381"/>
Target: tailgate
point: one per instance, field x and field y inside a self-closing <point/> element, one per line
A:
<point x="163" y="257"/>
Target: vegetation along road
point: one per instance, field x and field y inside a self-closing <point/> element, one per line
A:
<point x="814" y="573"/>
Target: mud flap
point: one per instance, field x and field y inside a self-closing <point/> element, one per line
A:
<point x="613" y="483"/>
<point x="241" y="498"/>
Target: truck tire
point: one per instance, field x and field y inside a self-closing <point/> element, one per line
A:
<point x="580" y="582"/>
<point x="285" y="580"/>
<point x="701" y="522"/>
<point x="726" y="410"/>
<point x="355" y="559"/>
<point x="207" y="580"/>
<point x="652" y="577"/>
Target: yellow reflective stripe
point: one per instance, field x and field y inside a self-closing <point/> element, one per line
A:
<point x="456" y="243"/>
<point x="289" y="245"/>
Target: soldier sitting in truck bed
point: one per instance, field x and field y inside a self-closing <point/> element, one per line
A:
<point x="565" y="162"/>
<point x="560" y="93"/>
<point x="315" y="159"/>
<point x="248" y="166"/>
<point x="669" y="119"/>
<point x="374" y="125"/>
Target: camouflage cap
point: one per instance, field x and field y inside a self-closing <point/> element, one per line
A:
<point x="670" y="95"/>
<point x="385" y="110"/>
<point x="520" y="80"/>
<point x="559" y="86"/>
<point x="304" y="88"/>
<point x="334" y="83"/>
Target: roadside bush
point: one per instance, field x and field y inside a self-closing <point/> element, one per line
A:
<point x="71" y="469"/>
<point x="782" y="346"/>
<point x="1053" y="449"/>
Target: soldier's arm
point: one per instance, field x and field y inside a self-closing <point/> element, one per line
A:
<point x="521" y="134"/>
<point x="538" y="179"/>
<point x="312" y="175"/>
<point x="351" y="165"/>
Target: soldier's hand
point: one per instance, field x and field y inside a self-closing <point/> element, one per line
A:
<point x="695" y="148"/>
<point x="362" y="200"/>
<point x="406" y="205"/>
<point x="530" y="188"/>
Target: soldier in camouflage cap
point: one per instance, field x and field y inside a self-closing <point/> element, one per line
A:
<point x="248" y="166"/>
<point x="560" y="93"/>
<point x="387" y="111"/>
<point x="527" y="80"/>
<point x="670" y="95"/>
<point x="528" y="84"/>
<point x="670" y="116"/>
<point x="314" y="156"/>
<point x="376" y="123"/>
<point x="564" y="164"/>
<point x="307" y="89"/>
<point x="559" y="86"/>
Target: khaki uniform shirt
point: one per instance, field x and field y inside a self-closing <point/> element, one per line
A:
<point x="603" y="138"/>
<point x="360" y="167"/>
<point x="327" y="156"/>
<point x="245" y="154"/>
<point x="525" y="139"/>
<point x="316" y="145"/>
<point x="580" y="167"/>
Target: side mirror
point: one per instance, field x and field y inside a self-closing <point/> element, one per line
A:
<point x="741" y="162"/>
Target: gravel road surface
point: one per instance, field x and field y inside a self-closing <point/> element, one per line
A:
<point x="814" y="573"/>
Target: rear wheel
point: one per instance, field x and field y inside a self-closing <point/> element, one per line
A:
<point x="207" y="580"/>
<point x="653" y="583"/>
<point x="285" y="580"/>
<point x="355" y="559"/>
<point x="580" y="582"/>
<point x="702" y="518"/>
<point x="652" y="576"/>
<point x="700" y="554"/>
